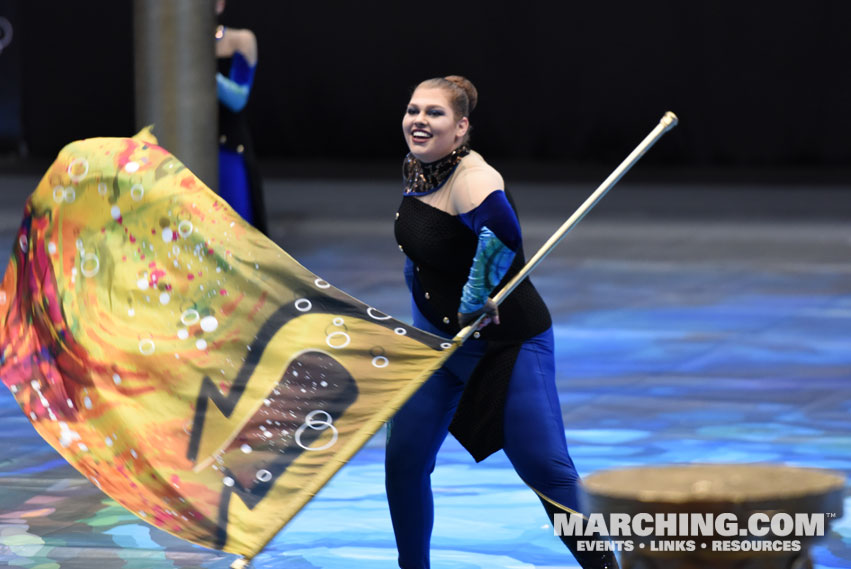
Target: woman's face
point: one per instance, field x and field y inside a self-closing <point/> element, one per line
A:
<point x="430" y="127"/>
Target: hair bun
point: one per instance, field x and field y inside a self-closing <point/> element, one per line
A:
<point x="468" y="87"/>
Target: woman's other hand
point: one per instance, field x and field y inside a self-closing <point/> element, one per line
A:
<point x="490" y="310"/>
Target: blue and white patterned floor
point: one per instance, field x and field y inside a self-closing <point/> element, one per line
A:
<point x="677" y="342"/>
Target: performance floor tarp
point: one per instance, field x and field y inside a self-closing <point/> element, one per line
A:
<point x="694" y="338"/>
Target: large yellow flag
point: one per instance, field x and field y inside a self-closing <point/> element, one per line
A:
<point x="180" y="360"/>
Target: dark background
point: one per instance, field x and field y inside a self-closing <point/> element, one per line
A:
<point x="563" y="85"/>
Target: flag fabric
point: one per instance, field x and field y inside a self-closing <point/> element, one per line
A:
<point x="179" y="359"/>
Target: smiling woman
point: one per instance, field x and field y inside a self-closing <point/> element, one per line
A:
<point x="458" y="228"/>
<point x="437" y="118"/>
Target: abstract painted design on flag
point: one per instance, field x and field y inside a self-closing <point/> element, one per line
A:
<point x="179" y="359"/>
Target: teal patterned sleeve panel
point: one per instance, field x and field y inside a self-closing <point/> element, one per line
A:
<point x="490" y="264"/>
<point x="233" y="95"/>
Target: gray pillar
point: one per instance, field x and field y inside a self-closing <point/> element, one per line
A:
<point x="175" y="69"/>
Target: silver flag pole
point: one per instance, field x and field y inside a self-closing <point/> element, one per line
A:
<point x="668" y="121"/>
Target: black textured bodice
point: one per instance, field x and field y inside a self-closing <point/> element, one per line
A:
<point x="442" y="248"/>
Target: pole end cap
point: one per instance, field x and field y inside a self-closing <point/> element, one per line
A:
<point x="670" y="120"/>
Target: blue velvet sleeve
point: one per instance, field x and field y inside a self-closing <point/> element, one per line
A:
<point x="233" y="91"/>
<point x="498" y="230"/>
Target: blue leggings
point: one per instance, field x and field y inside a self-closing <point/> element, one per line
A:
<point x="534" y="439"/>
<point x="233" y="183"/>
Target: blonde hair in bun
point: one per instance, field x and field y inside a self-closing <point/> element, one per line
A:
<point x="462" y="93"/>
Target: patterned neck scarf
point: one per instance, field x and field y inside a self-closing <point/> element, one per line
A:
<point x="421" y="179"/>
